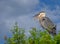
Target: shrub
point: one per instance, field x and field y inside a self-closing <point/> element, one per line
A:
<point x="36" y="37"/>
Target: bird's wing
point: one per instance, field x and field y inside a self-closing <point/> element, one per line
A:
<point x="47" y="23"/>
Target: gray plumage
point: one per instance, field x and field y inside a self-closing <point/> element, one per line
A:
<point x="47" y="24"/>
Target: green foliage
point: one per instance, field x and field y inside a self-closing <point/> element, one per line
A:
<point x="36" y="37"/>
<point x="57" y="38"/>
<point x="18" y="36"/>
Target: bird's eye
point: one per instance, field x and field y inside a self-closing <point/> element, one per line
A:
<point x="43" y="19"/>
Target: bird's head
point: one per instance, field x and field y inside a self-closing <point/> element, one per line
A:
<point x="40" y="15"/>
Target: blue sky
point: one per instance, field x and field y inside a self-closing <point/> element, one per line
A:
<point x="23" y="11"/>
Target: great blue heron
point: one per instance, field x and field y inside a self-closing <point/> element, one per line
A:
<point x="46" y="23"/>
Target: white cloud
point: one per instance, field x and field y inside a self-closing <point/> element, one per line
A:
<point x="27" y="2"/>
<point x="13" y="8"/>
<point x="11" y="12"/>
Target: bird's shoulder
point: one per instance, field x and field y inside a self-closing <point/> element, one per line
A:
<point x="47" y="19"/>
<point x="44" y="18"/>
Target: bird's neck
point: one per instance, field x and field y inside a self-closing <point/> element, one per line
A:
<point x="41" y="18"/>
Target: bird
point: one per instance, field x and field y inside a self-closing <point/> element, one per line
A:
<point x="46" y="23"/>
